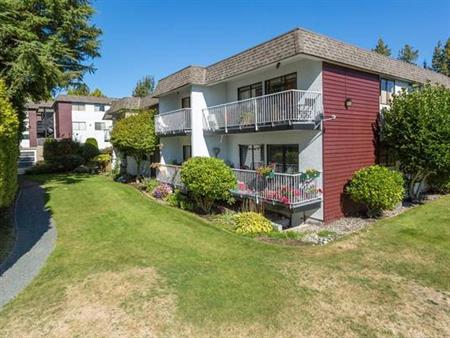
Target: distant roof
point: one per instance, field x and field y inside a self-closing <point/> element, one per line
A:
<point x="83" y="99"/>
<point x="40" y="104"/>
<point x="130" y="103"/>
<point x="296" y="42"/>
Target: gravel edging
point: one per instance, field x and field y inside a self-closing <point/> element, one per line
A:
<point x="35" y="240"/>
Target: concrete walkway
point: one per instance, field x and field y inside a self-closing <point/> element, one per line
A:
<point x="35" y="240"/>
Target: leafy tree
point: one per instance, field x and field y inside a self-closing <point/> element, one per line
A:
<point x="408" y="54"/>
<point x="417" y="128"/>
<point x="144" y="87"/>
<point x="209" y="180"/>
<point x="135" y="136"/>
<point x="97" y="93"/>
<point x="9" y="126"/>
<point x="382" y="48"/>
<point x="79" y="90"/>
<point x="46" y="44"/>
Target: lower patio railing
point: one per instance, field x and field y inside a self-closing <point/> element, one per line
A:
<point x="288" y="189"/>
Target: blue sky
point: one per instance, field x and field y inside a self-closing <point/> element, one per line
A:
<point x="159" y="37"/>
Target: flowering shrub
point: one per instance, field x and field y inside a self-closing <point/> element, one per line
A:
<point x="162" y="191"/>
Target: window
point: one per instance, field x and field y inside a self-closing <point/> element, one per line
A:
<point x="79" y="106"/>
<point x="251" y="156"/>
<point x="284" y="156"/>
<point x="99" y="107"/>
<point x="250" y="91"/>
<point x="79" y="125"/>
<point x="186" y="102"/>
<point x="25" y="136"/>
<point x="387" y="90"/>
<point x="187" y="153"/>
<point x="100" y="125"/>
<point x="281" y="83"/>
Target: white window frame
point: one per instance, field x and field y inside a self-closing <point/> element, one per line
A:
<point x="77" y="125"/>
<point x="76" y="106"/>
<point x="99" y="107"/>
<point x="103" y="125"/>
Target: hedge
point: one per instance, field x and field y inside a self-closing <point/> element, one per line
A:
<point x="9" y="150"/>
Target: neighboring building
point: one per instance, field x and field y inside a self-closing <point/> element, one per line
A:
<point x="81" y="117"/>
<point x="299" y="101"/>
<point x="75" y="117"/>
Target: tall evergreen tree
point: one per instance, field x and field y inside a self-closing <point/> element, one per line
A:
<point x="408" y="54"/>
<point x="97" y="92"/>
<point x="45" y="44"/>
<point x="79" y="90"/>
<point x="144" y="87"/>
<point x="382" y="48"/>
<point x="447" y="57"/>
<point x="437" y="61"/>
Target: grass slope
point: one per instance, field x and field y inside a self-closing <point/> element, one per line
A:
<point x="125" y="265"/>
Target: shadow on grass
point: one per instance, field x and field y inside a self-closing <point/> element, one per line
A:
<point x="32" y="218"/>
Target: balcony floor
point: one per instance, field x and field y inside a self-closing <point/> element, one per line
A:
<point x="269" y="127"/>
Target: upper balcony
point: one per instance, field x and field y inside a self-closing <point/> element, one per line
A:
<point x="176" y="122"/>
<point x="291" y="109"/>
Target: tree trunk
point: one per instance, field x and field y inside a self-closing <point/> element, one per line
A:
<point x="138" y="168"/>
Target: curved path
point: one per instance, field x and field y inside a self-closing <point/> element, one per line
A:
<point x="35" y="240"/>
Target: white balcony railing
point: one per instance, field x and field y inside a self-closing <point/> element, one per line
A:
<point x="173" y="122"/>
<point x="288" y="107"/>
<point x="288" y="189"/>
<point x="169" y="174"/>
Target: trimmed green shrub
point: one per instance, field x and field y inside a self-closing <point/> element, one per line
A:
<point x="251" y="223"/>
<point x="102" y="161"/>
<point x="378" y="188"/>
<point x="62" y="155"/>
<point x="90" y="149"/>
<point x="9" y="150"/>
<point x="208" y="180"/>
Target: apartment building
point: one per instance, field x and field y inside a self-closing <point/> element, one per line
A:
<point x="302" y="102"/>
<point x="74" y="117"/>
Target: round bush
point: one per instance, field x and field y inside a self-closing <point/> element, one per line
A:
<point x="377" y="187"/>
<point x="208" y="180"/>
<point x="251" y="223"/>
<point x="90" y="149"/>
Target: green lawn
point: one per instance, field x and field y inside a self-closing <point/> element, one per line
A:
<point x="125" y="265"/>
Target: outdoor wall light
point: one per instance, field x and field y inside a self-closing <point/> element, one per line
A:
<point x="278" y="65"/>
<point x="348" y="103"/>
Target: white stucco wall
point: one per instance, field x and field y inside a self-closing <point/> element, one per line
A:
<point x="309" y="76"/>
<point x="89" y="116"/>
<point x="172" y="101"/>
<point x="172" y="148"/>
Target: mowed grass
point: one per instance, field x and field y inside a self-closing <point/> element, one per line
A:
<point x="127" y="266"/>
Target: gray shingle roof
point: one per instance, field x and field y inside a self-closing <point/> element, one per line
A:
<point x="298" y="41"/>
<point x="83" y="99"/>
<point x="130" y="103"/>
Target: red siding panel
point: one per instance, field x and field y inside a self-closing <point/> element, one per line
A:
<point x="348" y="141"/>
<point x="32" y="122"/>
<point x="63" y="119"/>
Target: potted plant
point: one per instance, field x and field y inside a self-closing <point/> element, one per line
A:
<point x="267" y="171"/>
